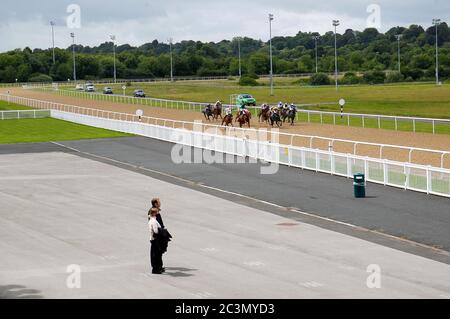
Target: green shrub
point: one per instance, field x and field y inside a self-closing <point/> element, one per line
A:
<point x="319" y="79"/>
<point x="39" y="77"/>
<point x="374" y="77"/>
<point x="415" y="74"/>
<point x="395" y="77"/>
<point x="350" y="79"/>
<point x="302" y="81"/>
<point x="230" y="78"/>
<point x="247" y="81"/>
<point x="252" y="76"/>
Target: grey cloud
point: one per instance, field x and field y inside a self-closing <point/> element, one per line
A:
<point x="25" y="23"/>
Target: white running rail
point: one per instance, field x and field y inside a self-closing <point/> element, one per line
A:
<point x="402" y="175"/>
<point x="410" y="176"/>
<point x="435" y="156"/>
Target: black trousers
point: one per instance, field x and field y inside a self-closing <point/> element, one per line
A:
<point x="155" y="256"/>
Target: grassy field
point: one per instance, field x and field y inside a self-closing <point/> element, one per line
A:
<point x="420" y="100"/>
<point x="48" y="129"/>
<point x="5" y="106"/>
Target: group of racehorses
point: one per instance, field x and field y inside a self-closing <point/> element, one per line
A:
<point x="267" y="114"/>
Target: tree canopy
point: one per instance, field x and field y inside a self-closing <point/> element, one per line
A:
<point x="358" y="51"/>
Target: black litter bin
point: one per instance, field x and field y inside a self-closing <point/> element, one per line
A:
<point x="359" y="185"/>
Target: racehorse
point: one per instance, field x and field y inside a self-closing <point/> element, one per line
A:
<point x="275" y="119"/>
<point x="217" y="111"/>
<point x="291" y="115"/>
<point x="284" y="113"/>
<point x="227" y="120"/>
<point x="207" y="112"/>
<point x="243" y="118"/>
<point x="263" y="114"/>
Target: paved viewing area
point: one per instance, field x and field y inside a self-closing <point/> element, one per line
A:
<point x="60" y="209"/>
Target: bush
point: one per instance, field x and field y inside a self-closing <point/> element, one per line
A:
<point x="350" y="78"/>
<point x="395" y="77"/>
<point x="319" y="79"/>
<point x="230" y="78"/>
<point x="415" y="74"/>
<point x="302" y="81"/>
<point x="128" y="84"/>
<point x="252" y="76"/>
<point x="39" y="77"/>
<point x="374" y="77"/>
<point x="247" y="81"/>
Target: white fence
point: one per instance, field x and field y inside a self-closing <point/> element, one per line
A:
<point x="404" y="123"/>
<point x="402" y="175"/>
<point x="24" y="114"/>
<point x="436" y="158"/>
<point x="419" y="178"/>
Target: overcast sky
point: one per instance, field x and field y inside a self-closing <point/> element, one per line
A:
<point x="26" y="23"/>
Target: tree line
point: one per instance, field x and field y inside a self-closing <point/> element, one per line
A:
<point x="358" y="51"/>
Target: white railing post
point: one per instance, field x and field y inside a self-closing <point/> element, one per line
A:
<point x="429" y="181"/>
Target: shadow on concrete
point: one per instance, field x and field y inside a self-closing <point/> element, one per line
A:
<point x="179" y="272"/>
<point x="19" y="292"/>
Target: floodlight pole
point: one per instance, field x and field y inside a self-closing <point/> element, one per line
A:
<point x="171" y="59"/>
<point x="316" y="37"/>
<point x="437" y="22"/>
<point x="335" y="24"/>
<point x="239" y="52"/>
<point x="72" y="35"/>
<point x="113" y="38"/>
<point x="271" y="61"/>
<point x="399" y="37"/>
<point x="52" y="23"/>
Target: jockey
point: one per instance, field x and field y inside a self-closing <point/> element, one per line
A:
<point x="242" y="109"/>
<point x="280" y="105"/>
<point x="292" y="107"/>
<point x="285" y="107"/>
<point x="228" y="111"/>
<point x="275" y="109"/>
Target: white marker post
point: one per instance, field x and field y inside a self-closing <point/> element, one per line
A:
<point x="124" y="88"/>
<point x="139" y="113"/>
<point x="342" y="103"/>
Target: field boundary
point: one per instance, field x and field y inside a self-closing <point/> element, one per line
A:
<point x="397" y="123"/>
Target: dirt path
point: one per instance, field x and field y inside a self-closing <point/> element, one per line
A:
<point x="421" y="140"/>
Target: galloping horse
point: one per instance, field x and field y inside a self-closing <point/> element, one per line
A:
<point x="263" y="114"/>
<point x="217" y="111"/>
<point x="284" y="113"/>
<point x="207" y="112"/>
<point x="244" y="117"/>
<point x="291" y="115"/>
<point x="275" y="119"/>
<point x="227" y="120"/>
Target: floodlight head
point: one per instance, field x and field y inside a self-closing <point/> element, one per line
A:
<point x="113" y="37"/>
<point x="72" y="35"/>
<point x="336" y="23"/>
<point x="436" y="21"/>
<point x="270" y="16"/>
<point x="52" y="23"/>
<point x="316" y="37"/>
